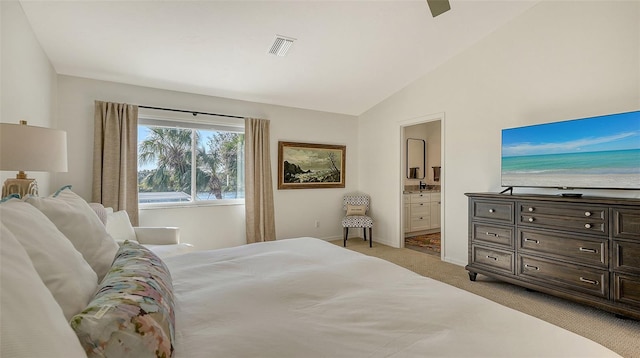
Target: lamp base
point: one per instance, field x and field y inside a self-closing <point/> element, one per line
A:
<point x="23" y="187"/>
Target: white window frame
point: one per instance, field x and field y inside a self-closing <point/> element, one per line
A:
<point x="234" y="125"/>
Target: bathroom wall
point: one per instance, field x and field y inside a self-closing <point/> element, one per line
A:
<point x="431" y="133"/>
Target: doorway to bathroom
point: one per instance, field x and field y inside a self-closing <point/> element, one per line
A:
<point x="422" y="183"/>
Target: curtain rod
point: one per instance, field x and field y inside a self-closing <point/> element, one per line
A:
<point x="195" y="113"/>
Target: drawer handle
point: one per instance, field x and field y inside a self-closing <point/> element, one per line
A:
<point x="493" y="258"/>
<point x="532" y="267"/>
<point x="492" y="211"/>
<point x="584" y="249"/>
<point x="588" y="226"/>
<point x="421" y="204"/>
<point x="531" y="220"/>
<point x="593" y="282"/>
<point x="531" y="209"/>
<point x="587" y="213"/>
<point x="532" y="240"/>
<point x="491" y="234"/>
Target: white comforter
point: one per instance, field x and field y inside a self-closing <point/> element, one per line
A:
<point x="309" y="298"/>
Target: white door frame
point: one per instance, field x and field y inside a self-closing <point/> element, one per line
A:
<point x="410" y="122"/>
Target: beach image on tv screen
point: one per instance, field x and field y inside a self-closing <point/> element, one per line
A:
<point x="597" y="152"/>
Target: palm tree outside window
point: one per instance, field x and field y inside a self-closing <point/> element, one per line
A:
<point x="169" y="172"/>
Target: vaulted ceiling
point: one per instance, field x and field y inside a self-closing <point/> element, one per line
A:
<point x="347" y="57"/>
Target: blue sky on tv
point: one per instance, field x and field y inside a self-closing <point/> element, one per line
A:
<point x="603" y="133"/>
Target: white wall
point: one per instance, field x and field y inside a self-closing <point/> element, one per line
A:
<point x="431" y="133"/>
<point x="215" y="226"/>
<point x="557" y="61"/>
<point x="418" y="131"/>
<point x="434" y="148"/>
<point x="27" y="80"/>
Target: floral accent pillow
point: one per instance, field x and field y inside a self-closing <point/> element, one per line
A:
<point x="132" y="313"/>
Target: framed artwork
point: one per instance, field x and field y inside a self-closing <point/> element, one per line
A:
<point x="307" y="165"/>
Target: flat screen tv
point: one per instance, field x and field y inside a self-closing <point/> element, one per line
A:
<point x="597" y="153"/>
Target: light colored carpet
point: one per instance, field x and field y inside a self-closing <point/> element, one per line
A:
<point x="620" y="335"/>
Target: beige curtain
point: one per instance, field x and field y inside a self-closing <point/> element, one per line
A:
<point x="258" y="184"/>
<point x="115" y="157"/>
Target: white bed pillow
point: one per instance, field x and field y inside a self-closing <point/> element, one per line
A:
<point x="81" y="225"/>
<point x="119" y="226"/>
<point x="101" y="211"/>
<point x="32" y="323"/>
<point x="60" y="266"/>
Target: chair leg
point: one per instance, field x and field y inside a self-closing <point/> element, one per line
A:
<point x="364" y="230"/>
<point x="370" y="238"/>
<point x="346" y="233"/>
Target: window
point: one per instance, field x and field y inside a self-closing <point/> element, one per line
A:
<point x="169" y="172"/>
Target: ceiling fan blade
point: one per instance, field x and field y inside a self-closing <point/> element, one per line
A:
<point x="438" y="7"/>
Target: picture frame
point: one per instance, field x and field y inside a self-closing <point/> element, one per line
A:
<point x="311" y="165"/>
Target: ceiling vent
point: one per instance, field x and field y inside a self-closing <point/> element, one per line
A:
<point x="281" y="45"/>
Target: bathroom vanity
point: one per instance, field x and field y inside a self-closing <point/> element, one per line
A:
<point x="421" y="210"/>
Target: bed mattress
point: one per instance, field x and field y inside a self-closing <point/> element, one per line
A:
<point x="305" y="297"/>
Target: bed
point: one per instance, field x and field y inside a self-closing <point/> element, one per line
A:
<point x="305" y="297"/>
<point x="68" y="289"/>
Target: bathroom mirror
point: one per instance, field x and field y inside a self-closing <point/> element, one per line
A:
<point x="416" y="158"/>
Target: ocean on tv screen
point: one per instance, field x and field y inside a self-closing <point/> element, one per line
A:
<point x="595" y="152"/>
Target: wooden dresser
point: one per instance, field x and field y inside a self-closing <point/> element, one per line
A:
<point x="584" y="249"/>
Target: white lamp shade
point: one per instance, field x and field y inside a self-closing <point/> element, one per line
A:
<point x="30" y="148"/>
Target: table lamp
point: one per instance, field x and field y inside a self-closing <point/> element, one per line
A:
<point x="30" y="148"/>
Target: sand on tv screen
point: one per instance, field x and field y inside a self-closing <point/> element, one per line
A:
<point x="598" y="152"/>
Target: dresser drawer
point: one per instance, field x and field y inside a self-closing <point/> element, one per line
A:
<point x="585" y="226"/>
<point x="566" y="276"/>
<point x="420" y="198"/>
<point x="493" y="259"/>
<point x="420" y="209"/>
<point x="495" y="211"/>
<point x="593" y="212"/>
<point x="588" y="251"/>
<point x="626" y="256"/>
<point x="578" y="218"/>
<point x="626" y="223"/>
<point x="420" y="223"/>
<point x="493" y="234"/>
<point x="626" y="289"/>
